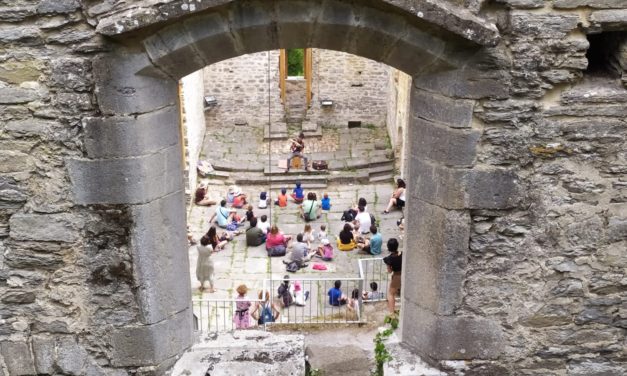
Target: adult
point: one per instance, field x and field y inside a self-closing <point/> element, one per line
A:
<point x="223" y="215"/>
<point x="394" y="264"/>
<point x="398" y="197"/>
<point x="201" y="196"/>
<point x="364" y="220"/>
<point x="276" y="242"/>
<point x="296" y="148"/>
<point x="265" y="311"/>
<point x="299" y="253"/>
<point x="236" y="197"/>
<point x="346" y="238"/>
<point x="217" y="242"/>
<point x="373" y="245"/>
<point x="254" y="235"/>
<point x="204" y="264"/>
<point x="310" y="209"/>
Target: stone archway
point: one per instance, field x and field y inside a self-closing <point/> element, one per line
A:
<point x="133" y="151"/>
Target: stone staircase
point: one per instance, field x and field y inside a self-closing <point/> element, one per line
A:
<point x="295" y="114"/>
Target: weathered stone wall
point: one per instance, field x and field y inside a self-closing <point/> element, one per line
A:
<point x="359" y="89"/>
<point x="398" y="114"/>
<point x="524" y="275"/>
<point x="241" y="87"/>
<point x="192" y="98"/>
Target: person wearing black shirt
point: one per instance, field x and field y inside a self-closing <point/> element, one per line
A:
<point x="394" y="263"/>
<point x="297" y="147"/>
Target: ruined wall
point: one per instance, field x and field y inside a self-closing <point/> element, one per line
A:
<point x="194" y="126"/>
<point x="241" y="87"/>
<point x="358" y="87"/>
<point x="398" y="114"/>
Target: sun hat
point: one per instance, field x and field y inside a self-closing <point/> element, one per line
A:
<point x="325" y="241"/>
<point x="235" y="190"/>
<point x="296" y="286"/>
<point x="242" y="289"/>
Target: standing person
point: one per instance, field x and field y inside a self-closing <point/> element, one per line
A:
<point x="308" y="235"/>
<point x="394" y="264"/>
<point x="266" y="311"/>
<point x="254" y="235"/>
<point x="241" y="317"/>
<point x="373" y="245"/>
<point x="398" y="197"/>
<point x="204" y="264"/>
<point x="352" y="307"/>
<point x="297" y="147"/>
<point x="201" y="196"/>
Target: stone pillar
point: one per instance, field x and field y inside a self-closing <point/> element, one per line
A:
<point x="444" y="184"/>
<point x="134" y="160"/>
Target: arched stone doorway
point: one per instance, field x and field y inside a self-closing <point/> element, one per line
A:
<point x="133" y="151"/>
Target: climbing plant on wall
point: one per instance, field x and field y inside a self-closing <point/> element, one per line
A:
<point x="296" y="62"/>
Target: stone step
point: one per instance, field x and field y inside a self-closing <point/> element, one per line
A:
<point x="360" y="177"/>
<point x="285" y="178"/>
<point x="381" y="170"/>
<point x="217" y="175"/>
<point x="274" y="170"/>
<point x="388" y="178"/>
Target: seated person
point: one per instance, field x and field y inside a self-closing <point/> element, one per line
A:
<point x="309" y="209"/>
<point x="223" y="216"/>
<point x="254" y="235"/>
<point x="325" y="250"/>
<point x="373" y="245"/>
<point x="336" y="298"/>
<point x="374" y="294"/>
<point x="201" y="197"/>
<point x="263" y="224"/>
<point x="299" y="254"/>
<point x="249" y="213"/>
<point x="398" y="197"/>
<point x="364" y="220"/>
<point x="346" y="239"/>
<point x="325" y="203"/>
<point x="218" y="241"/>
<point x="281" y="201"/>
<point x="235" y="197"/>
<point x="276" y="242"/>
<point x="297" y="194"/>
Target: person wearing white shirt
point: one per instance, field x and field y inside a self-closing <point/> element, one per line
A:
<point x="363" y="217"/>
<point x="263" y="224"/>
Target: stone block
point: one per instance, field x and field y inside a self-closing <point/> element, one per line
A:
<point x="14" y="161"/>
<point x="437" y="253"/>
<point x="334" y="19"/>
<point x="617" y="229"/>
<point x="44" y="353"/>
<point x="114" y="137"/>
<point x="45" y="227"/>
<point x="297" y="20"/>
<point x="160" y="262"/>
<point x="477" y="188"/>
<point x="58" y="6"/>
<point x="126" y="180"/>
<point x="438" y="338"/>
<point x="71" y="357"/>
<point x="442" y="144"/>
<point x="212" y="38"/>
<point x="30" y="127"/>
<point x="376" y="28"/>
<point x="608" y="20"/>
<point x="467" y="83"/>
<point x="17" y="358"/>
<point x="150" y="345"/>
<point x="543" y="26"/>
<point x="172" y="50"/>
<point x="17" y="95"/>
<point x="254" y="25"/>
<point x="598" y="4"/>
<point x="456" y="113"/>
<point x="127" y="83"/>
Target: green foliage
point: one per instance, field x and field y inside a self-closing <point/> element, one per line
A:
<point x="296" y="62"/>
<point x="381" y="354"/>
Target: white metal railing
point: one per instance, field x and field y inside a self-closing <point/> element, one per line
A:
<point x="310" y="303"/>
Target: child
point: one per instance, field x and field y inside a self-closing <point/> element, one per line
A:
<point x="352" y="308"/>
<point x="336" y="298"/>
<point x="263" y="200"/>
<point x="322" y="234"/>
<point x="326" y="202"/>
<point x="249" y="213"/>
<point x="299" y="297"/>
<point x="282" y="199"/>
<point x="374" y="294"/>
<point x="241" y="318"/>
<point x="325" y="250"/>
<point x="308" y="235"/>
<point x="264" y="225"/>
<point x="297" y="194"/>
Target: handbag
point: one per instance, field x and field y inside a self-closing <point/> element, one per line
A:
<point x="320" y="165"/>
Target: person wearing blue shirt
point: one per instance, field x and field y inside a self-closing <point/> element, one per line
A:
<point x="373" y="245"/>
<point x="297" y="194"/>
<point x="325" y="202"/>
<point x="336" y="298"/>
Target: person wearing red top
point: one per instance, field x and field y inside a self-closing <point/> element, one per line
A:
<point x="282" y="199"/>
<point x="276" y="242"/>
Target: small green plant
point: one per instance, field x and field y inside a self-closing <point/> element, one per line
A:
<point x="381" y="353"/>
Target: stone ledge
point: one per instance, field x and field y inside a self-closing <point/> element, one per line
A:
<point x="45" y="227"/>
<point x="609" y="20"/>
<point x="456" y="113"/>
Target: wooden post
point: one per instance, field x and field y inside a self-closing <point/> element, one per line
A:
<point x="282" y="73"/>
<point x="308" y="75"/>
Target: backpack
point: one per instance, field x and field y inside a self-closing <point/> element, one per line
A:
<point x="292" y="267"/>
<point x="347" y="216"/>
<point x="373" y="219"/>
<point x="266" y="314"/>
<point x="285" y="295"/>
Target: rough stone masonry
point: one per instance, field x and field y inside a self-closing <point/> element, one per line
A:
<point x="517" y="169"/>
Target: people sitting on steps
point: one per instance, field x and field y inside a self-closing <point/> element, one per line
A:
<point x="398" y="197"/>
<point x="201" y="196"/>
<point x="296" y="148"/>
